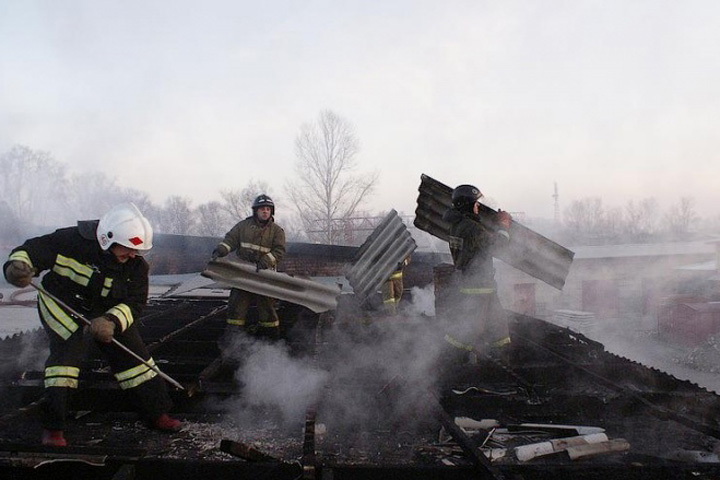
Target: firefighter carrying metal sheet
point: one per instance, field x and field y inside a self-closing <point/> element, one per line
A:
<point x="257" y="239"/>
<point x="96" y="268"/>
<point x="478" y="319"/>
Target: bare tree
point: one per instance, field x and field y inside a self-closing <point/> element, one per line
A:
<point x="641" y="219"/>
<point x="10" y="226"/>
<point x="585" y="217"/>
<point x="36" y="189"/>
<point x="326" y="189"/>
<point x="90" y="194"/>
<point x="294" y="231"/>
<point x="139" y="198"/>
<point x="237" y="203"/>
<point x="211" y="219"/>
<point x="681" y="216"/>
<point x="613" y="225"/>
<point x="176" y="216"/>
<point x="32" y="184"/>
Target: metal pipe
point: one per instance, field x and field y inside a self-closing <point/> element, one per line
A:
<point x="80" y="317"/>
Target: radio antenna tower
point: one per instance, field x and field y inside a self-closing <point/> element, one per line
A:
<point x="556" y="197"/>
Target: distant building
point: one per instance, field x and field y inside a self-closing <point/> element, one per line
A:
<point x="611" y="282"/>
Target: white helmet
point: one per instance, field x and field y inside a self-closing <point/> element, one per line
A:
<point x="126" y="226"/>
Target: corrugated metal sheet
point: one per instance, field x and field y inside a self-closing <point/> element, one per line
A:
<point x="243" y="275"/>
<point x="378" y="257"/>
<point x="528" y="251"/>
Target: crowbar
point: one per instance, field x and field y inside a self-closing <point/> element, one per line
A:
<point x="80" y="317"/>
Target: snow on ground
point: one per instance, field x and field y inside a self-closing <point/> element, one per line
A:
<point x="16" y="318"/>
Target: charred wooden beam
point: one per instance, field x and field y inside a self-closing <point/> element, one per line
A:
<point x="24" y="411"/>
<point x="478" y="458"/>
<point x="309" y="459"/>
<point x="208" y="373"/>
<point x="245" y="451"/>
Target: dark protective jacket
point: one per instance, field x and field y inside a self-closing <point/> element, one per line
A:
<point x="479" y="318"/>
<point x="253" y="241"/>
<point x="85" y="277"/>
<point x="94" y="283"/>
<point x="472" y="245"/>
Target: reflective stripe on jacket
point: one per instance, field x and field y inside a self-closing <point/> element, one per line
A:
<point x="252" y="241"/>
<point x="84" y="277"/>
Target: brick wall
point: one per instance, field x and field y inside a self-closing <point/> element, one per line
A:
<point x="176" y="254"/>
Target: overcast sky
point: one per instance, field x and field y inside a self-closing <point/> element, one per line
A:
<point x="618" y="99"/>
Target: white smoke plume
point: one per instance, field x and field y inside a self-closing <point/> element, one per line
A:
<point x="372" y="371"/>
<point x="272" y="380"/>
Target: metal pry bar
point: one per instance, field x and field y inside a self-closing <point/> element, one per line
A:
<point x="80" y="317"/>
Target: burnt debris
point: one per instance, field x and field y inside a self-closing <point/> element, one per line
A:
<point x="559" y="406"/>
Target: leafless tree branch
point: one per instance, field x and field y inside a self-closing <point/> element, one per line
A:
<point x="327" y="188"/>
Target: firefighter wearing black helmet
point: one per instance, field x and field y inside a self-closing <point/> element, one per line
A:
<point x="257" y="239"/>
<point x="478" y="319"/>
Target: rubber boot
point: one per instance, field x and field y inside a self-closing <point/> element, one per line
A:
<point x="53" y="438"/>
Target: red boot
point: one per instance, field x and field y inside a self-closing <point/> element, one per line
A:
<point x="53" y="438"/>
<point x="166" y="423"/>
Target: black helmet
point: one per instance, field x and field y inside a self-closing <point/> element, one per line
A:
<point x="263" y="201"/>
<point x="465" y="196"/>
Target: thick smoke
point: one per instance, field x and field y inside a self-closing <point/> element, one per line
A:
<point x="382" y="374"/>
<point x="272" y="380"/>
<point x="423" y="301"/>
<point x="368" y="372"/>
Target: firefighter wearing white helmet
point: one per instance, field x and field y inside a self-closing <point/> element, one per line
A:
<point x="257" y="239"/>
<point x="126" y="226"/>
<point x="95" y="267"/>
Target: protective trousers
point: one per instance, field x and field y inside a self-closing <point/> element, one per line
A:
<point x="479" y="321"/>
<point x="146" y="390"/>
<point x="392" y="291"/>
<point x="267" y="324"/>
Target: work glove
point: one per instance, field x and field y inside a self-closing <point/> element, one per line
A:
<point x="220" y="251"/>
<point x="263" y="263"/>
<point x="102" y="329"/>
<point x="19" y="273"/>
<point x="504" y="219"/>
